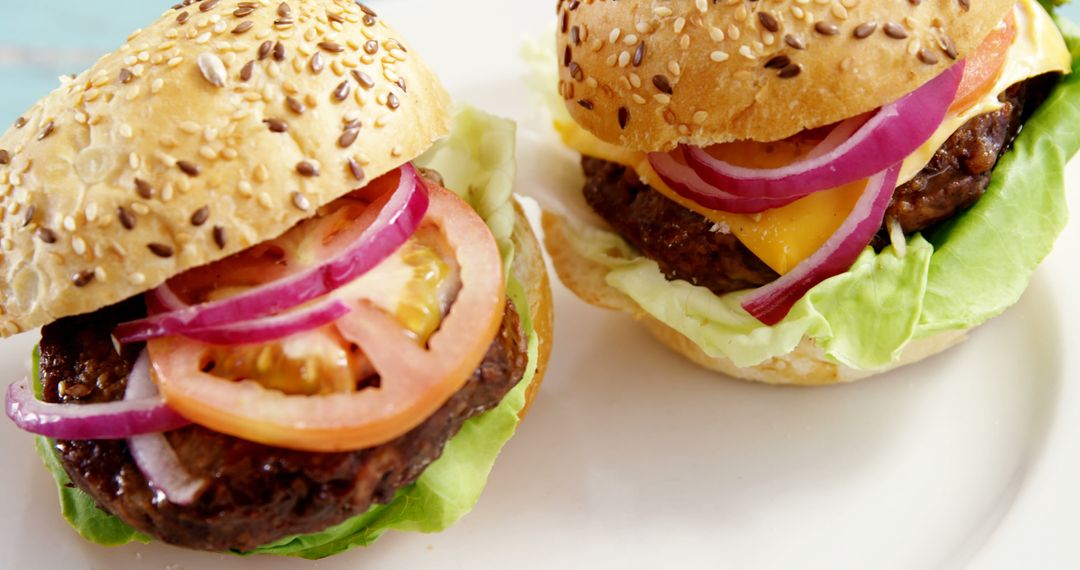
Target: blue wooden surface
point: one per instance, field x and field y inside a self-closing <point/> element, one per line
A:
<point x="43" y="39"/>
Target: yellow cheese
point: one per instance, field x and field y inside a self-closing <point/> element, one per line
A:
<point x="783" y="237"/>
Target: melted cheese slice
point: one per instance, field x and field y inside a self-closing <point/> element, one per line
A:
<point x="783" y="237"/>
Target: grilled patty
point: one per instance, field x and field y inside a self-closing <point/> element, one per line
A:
<point x="689" y="247"/>
<point x="256" y="494"/>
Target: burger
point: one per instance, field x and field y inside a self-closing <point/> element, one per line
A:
<point x="288" y="299"/>
<point x="803" y="192"/>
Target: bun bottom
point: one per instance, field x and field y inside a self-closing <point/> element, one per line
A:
<point x="530" y="270"/>
<point x="806" y="365"/>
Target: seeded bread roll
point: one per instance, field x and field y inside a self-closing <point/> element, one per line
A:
<point x="649" y="75"/>
<point x="221" y="125"/>
<point x="806" y="365"/>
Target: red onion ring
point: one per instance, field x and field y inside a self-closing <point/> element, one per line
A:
<point x="153" y="454"/>
<point x="894" y="132"/>
<point x="110" y="420"/>
<point x="688" y="184"/>
<point x="771" y="303"/>
<point x="264" y="329"/>
<point x="394" y="225"/>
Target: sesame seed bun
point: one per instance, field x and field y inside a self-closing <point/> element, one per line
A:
<point x="806" y="365"/>
<point x="219" y="126"/>
<point x="649" y="75"/>
<point x="530" y="271"/>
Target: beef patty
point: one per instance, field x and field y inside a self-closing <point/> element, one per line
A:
<point x="255" y="494"/>
<point x="688" y="246"/>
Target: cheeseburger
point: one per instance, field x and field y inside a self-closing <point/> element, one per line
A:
<point x="270" y="323"/>
<point x="810" y="192"/>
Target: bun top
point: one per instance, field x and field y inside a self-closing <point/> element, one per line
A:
<point x="648" y="75"/>
<point x="219" y="126"/>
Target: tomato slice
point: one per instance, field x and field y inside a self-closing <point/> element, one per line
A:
<point x="983" y="66"/>
<point x="414" y="379"/>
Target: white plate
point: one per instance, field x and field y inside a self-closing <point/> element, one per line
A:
<point x="632" y="458"/>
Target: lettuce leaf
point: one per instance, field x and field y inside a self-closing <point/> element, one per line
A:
<point x="957" y="277"/>
<point x="478" y="160"/>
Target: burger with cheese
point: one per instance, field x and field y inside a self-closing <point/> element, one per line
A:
<point x="811" y="192"/>
<point x="270" y="324"/>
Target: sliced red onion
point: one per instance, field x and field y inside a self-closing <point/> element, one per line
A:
<point x="684" y="181"/>
<point x="163" y="299"/>
<point x="266" y="329"/>
<point x="152" y="453"/>
<point x="771" y="303"/>
<point x="394" y="225"/>
<point x="894" y="132"/>
<point x="110" y="420"/>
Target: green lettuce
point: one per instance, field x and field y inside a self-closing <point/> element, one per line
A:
<point x="478" y="161"/>
<point x="956" y="277"/>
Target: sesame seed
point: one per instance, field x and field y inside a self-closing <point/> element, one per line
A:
<point x="276" y="125"/>
<point x="78" y="245"/>
<point x="341" y="92"/>
<point x="826" y="28"/>
<point x="46" y="130"/>
<point x="948" y="47"/>
<point x="719" y="56"/>
<point x="69" y="223"/>
<point x="928" y="57"/>
<point x="317" y="63"/>
<point x="265" y="49"/>
<point x="624" y="117"/>
<point x="140" y="208"/>
<point x="768" y="21"/>
<point x="778" y="62"/>
<point x="305" y="168"/>
<point x="160" y="250"/>
<point x="46" y="235"/>
<point x="83" y="278"/>
<point x="790" y="71"/>
<point x="127" y="219"/>
<point x="295" y="105"/>
<point x="200" y="216"/>
<point x="157" y="85"/>
<point x="700" y="117"/>
<point x="300" y="201"/>
<point x="894" y="31"/>
<point x="189" y="168"/>
<point x="864" y="30"/>
<point x="348" y="137"/>
<point x="624" y="59"/>
<point x="247" y="71"/>
<point x="143" y="189"/>
<point x="356" y="170"/>
<point x="219" y="236"/>
<point x="662" y="84"/>
<point x="363" y="79"/>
